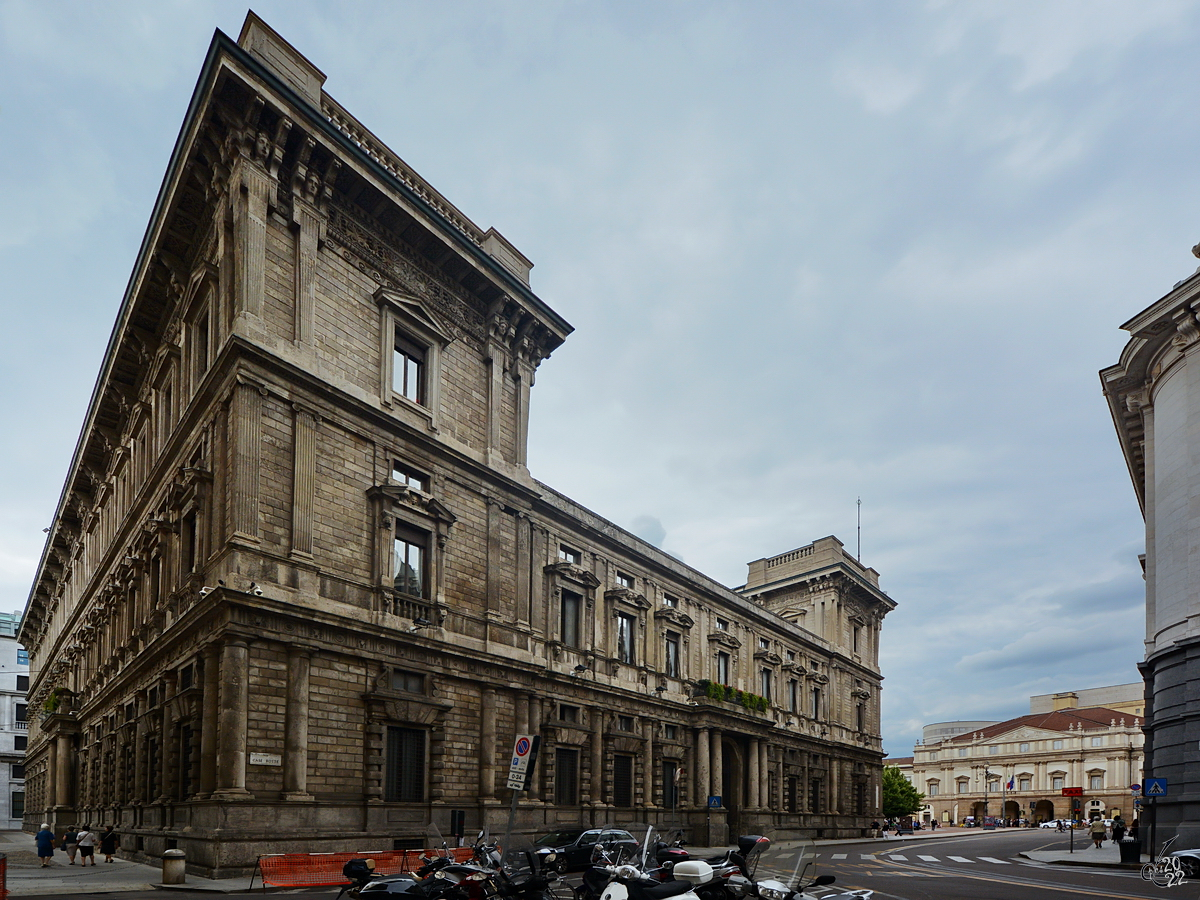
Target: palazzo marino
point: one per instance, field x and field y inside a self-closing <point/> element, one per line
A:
<point x="301" y="590"/>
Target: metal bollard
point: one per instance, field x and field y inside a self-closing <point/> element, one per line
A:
<point x="174" y="867"/>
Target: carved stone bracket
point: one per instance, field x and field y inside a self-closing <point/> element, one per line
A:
<point x="725" y="639"/>
<point x="674" y="616"/>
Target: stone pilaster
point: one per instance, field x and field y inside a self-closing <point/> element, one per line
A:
<point x="246" y="426"/>
<point x="304" y="473"/>
<point x="754" y="800"/>
<point x="209" y="720"/>
<point x="596" y="784"/>
<point x="717" y="757"/>
<point x="487" y="745"/>
<point x="703" y="768"/>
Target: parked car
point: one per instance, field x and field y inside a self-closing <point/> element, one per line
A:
<point x="574" y="846"/>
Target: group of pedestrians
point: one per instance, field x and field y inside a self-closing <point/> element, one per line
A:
<point x="81" y="842"/>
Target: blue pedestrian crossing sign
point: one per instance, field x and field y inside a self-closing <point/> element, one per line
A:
<point x="1154" y="787"/>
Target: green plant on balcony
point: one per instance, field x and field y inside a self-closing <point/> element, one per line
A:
<point x="727" y="692"/>
<point x="50" y="706"/>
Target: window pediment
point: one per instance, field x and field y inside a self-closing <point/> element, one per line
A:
<point x="768" y="656"/>
<point x="818" y="678"/>
<point x="574" y="573"/>
<point x="403" y="495"/>
<point x="725" y="639"/>
<point x="675" y="617"/>
<point x="414" y="315"/>
<point x="627" y="597"/>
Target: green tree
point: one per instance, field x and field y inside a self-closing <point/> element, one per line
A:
<point x="900" y="798"/>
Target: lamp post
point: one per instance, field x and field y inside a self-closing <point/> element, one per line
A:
<point x="987" y="777"/>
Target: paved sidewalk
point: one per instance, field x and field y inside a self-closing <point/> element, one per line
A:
<point x="26" y="878"/>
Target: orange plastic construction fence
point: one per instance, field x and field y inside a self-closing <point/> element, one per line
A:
<point x="325" y="869"/>
<point x="3" y="876"/>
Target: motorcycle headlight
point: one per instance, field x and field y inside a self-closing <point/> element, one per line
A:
<point x="773" y="893"/>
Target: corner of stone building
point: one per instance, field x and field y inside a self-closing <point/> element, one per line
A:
<point x="262" y="42"/>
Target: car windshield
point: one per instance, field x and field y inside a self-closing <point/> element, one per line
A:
<point x="555" y="838"/>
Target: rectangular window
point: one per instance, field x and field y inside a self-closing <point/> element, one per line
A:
<point x="625" y="637"/>
<point x="791" y="794"/>
<point x="408" y="369"/>
<point x="764" y="684"/>
<point x="625" y="581"/>
<point x="568" y="713"/>
<point x="408" y="569"/>
<point x="187" y="677"/>
<point x="152" y="698"/>
<point x="622" y="793"/>
<point x="815" y="796"/>
<point x="410" y="477"/>
<point x="569" y="616"/>
<point x="624" y="723"/>
<point x="1056" y="783"/>
<point x="20" y="742"/>
<point x="722" y="625"/>
<point x="670" y="787"/>
<point x="566" y="777"/>
<point x="18" y="771"/>
<point x="793" y="696"/>
<point x="1023" y="748"/>
<point x="671" y="732"/>
<point x="994" y="749"/>
<point x="404" y="780"/>
<point x="791" y="656"/>
<point x="22" y="682"/>
<point x="1096" y="782"/>
<point x="932" y="789"/>
<point x="22" y="712"/>
<point x="567" y="554"/>
<point x="962" y="751"/>
<point x="722" y="667"/>
<point x="1098" y="742"/>
<point x="1025" y="783"/>
<point x="18" y="804"/>
<point x="764" y="644"/>
<point x="960" y="787"/>
<point x="816" y="703"/>
<point x="670" y="601"/>
<point x="413" y="682"/>
<point x="854" y="639"/>
<point x="860" y="720"/>
<point x="671" y="660"/>
<point x="1057" y="745"/>
<point x="22" y="656"/>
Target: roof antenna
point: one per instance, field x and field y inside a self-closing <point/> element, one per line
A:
<point x="860" y="529"/>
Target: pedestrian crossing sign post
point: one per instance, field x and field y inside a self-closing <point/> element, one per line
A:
<point x="1154" y="787"/>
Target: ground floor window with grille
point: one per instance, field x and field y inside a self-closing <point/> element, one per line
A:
<point x="404" y="780"/>
<point x="566" y="777"/>
<point x="18" y="804"/>
<point x="860" y="798"/>
<point x="791" y="798"/>
<point x="622" y="792"/>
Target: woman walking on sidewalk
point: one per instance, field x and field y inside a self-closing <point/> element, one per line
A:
<point x="1098" y="832"/>
<point x="71" y="844"/>
<point x="109" y="843"/>
<point x="87" y="846"/>
<point x="45" y="844"/>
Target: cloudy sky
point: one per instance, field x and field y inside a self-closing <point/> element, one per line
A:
<point x="813" y="251"/>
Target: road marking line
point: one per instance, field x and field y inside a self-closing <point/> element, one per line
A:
<point x="898" y="858"/>
<point x="961" y="859"/>
<point x="992" y="859"/>
<point x="870" y="856"/>
<point x="928" y="858"/>
<point x="838" y="856"/>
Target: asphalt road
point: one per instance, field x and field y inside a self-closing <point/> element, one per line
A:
<point x="978" y="866"/>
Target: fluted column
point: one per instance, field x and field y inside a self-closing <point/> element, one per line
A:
<point x="295" y="741"/>
<point x="235" y="703"/>
<point x="535" y="727"/>
<point x="52" y="774"/>
<point x="597" y="780"/>
<point x="648" y="764"/>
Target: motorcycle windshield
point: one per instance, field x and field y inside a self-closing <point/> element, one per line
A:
<point x="435" y="844"/>
<point x="518" y="857"/>
<point x="788" y="862"/>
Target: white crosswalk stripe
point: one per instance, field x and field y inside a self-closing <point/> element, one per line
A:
<point x="962" y="859"/>
<point x="866" y="856"/>
<point x="838" y="856"/>
<point x="992" y="859"/>
<point x="898" y="857"/>
<point x="928" y="858"/>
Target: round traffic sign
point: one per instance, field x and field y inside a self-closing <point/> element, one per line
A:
<point x="1135" y="787"/>
<point x="522" y="746"/>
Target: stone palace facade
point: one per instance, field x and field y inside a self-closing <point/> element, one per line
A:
<point x="301" y="591"/>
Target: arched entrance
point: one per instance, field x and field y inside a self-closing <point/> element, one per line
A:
<point x="1044" y="811"/>
<point x="732" y="769"/>
<point x="1012" y="810"/>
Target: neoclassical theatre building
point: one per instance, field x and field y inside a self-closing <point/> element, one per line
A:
<point x="301" y="591"/>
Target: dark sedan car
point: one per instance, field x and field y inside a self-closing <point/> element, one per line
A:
<point x="575" y="846"/>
